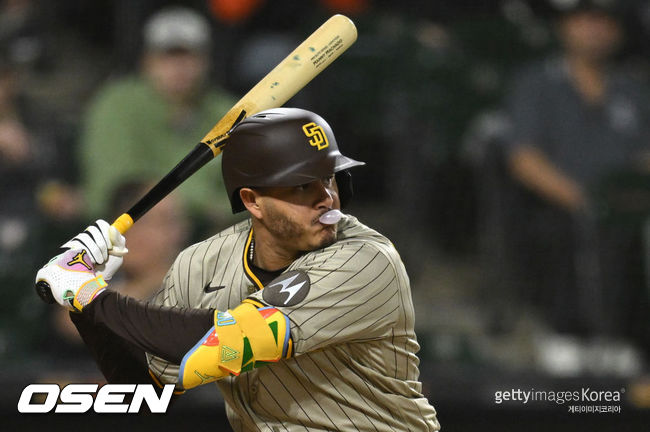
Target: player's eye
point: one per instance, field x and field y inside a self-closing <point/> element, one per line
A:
<point x="302" y="187"/>
<point x="328" y="181"/>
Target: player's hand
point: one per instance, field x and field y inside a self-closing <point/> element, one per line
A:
<point x="71" y="279"/>
<point x="104" y="245"/>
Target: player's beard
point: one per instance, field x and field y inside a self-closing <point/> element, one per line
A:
<point x="287" y="230"/>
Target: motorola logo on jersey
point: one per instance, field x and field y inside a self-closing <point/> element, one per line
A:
<point x="288" y="289"/>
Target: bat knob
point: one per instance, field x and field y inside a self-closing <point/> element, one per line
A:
<point x="44" y="292"/>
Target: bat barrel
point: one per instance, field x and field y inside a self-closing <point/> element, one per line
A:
<point x="302" y="64"/>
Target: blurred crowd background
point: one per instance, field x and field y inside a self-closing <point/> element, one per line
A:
<point x="508" y="158"/>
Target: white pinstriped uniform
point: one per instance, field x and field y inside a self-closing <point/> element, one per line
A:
<point x="354" y="367"/>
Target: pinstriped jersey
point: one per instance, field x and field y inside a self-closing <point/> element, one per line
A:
<point x="352" y="327"/>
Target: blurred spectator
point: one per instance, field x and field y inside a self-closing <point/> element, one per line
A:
<point x="35" y="156"/>
<point x="146" y="123"/>
<point x="578" y="118"/>
<point x="35" y="168"/>
<point x="17" y="181"/>
<point x="153" y="242"/>
<point x="22" y="32"/>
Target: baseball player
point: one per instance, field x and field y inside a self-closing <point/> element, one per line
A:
<point x="301" y="314"/>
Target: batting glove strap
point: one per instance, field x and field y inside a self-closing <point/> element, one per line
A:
<point x="88" y="292"/>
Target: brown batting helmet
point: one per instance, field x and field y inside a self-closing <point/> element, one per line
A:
<point x="283" y="147"/>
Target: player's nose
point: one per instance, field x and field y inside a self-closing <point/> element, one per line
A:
<point x="324" y="197"/>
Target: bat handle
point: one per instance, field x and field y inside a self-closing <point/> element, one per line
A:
<point x="123" y="223"/>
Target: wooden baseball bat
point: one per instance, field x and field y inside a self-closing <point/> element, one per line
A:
<point x="313" y="55"/>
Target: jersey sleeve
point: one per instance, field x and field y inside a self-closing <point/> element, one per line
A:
<point x="345" y="293"/>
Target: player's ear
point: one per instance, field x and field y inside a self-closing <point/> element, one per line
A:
<point x="249" y="198"/>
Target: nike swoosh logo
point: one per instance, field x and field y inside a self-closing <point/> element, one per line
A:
<point x="209" y="288"/>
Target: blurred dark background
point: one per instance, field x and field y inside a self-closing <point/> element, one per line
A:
<point x="520" y="280"/>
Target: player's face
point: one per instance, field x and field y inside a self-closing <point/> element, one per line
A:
<point x="291" y="214"/>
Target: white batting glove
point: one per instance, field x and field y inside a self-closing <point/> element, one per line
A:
<point x="71" y="279"/>
<point x="105" y="246"/>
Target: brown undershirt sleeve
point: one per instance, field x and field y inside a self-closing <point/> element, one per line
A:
<point x="119" y="329"/>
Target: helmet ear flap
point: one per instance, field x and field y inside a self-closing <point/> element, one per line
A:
<point x="344" y="183"/>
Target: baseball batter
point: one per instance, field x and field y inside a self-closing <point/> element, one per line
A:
<point x="302" y="315"/>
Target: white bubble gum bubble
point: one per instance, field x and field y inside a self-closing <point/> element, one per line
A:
<point x="331" y="217"/>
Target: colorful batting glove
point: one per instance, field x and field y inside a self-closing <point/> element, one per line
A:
<point x="105" y="246"/>
<point x="72" y="279"/>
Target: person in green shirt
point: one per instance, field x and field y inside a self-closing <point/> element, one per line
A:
<point x="140" y="126"/>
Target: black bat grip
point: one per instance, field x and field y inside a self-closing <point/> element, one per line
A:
<point x="199" y="156"/>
